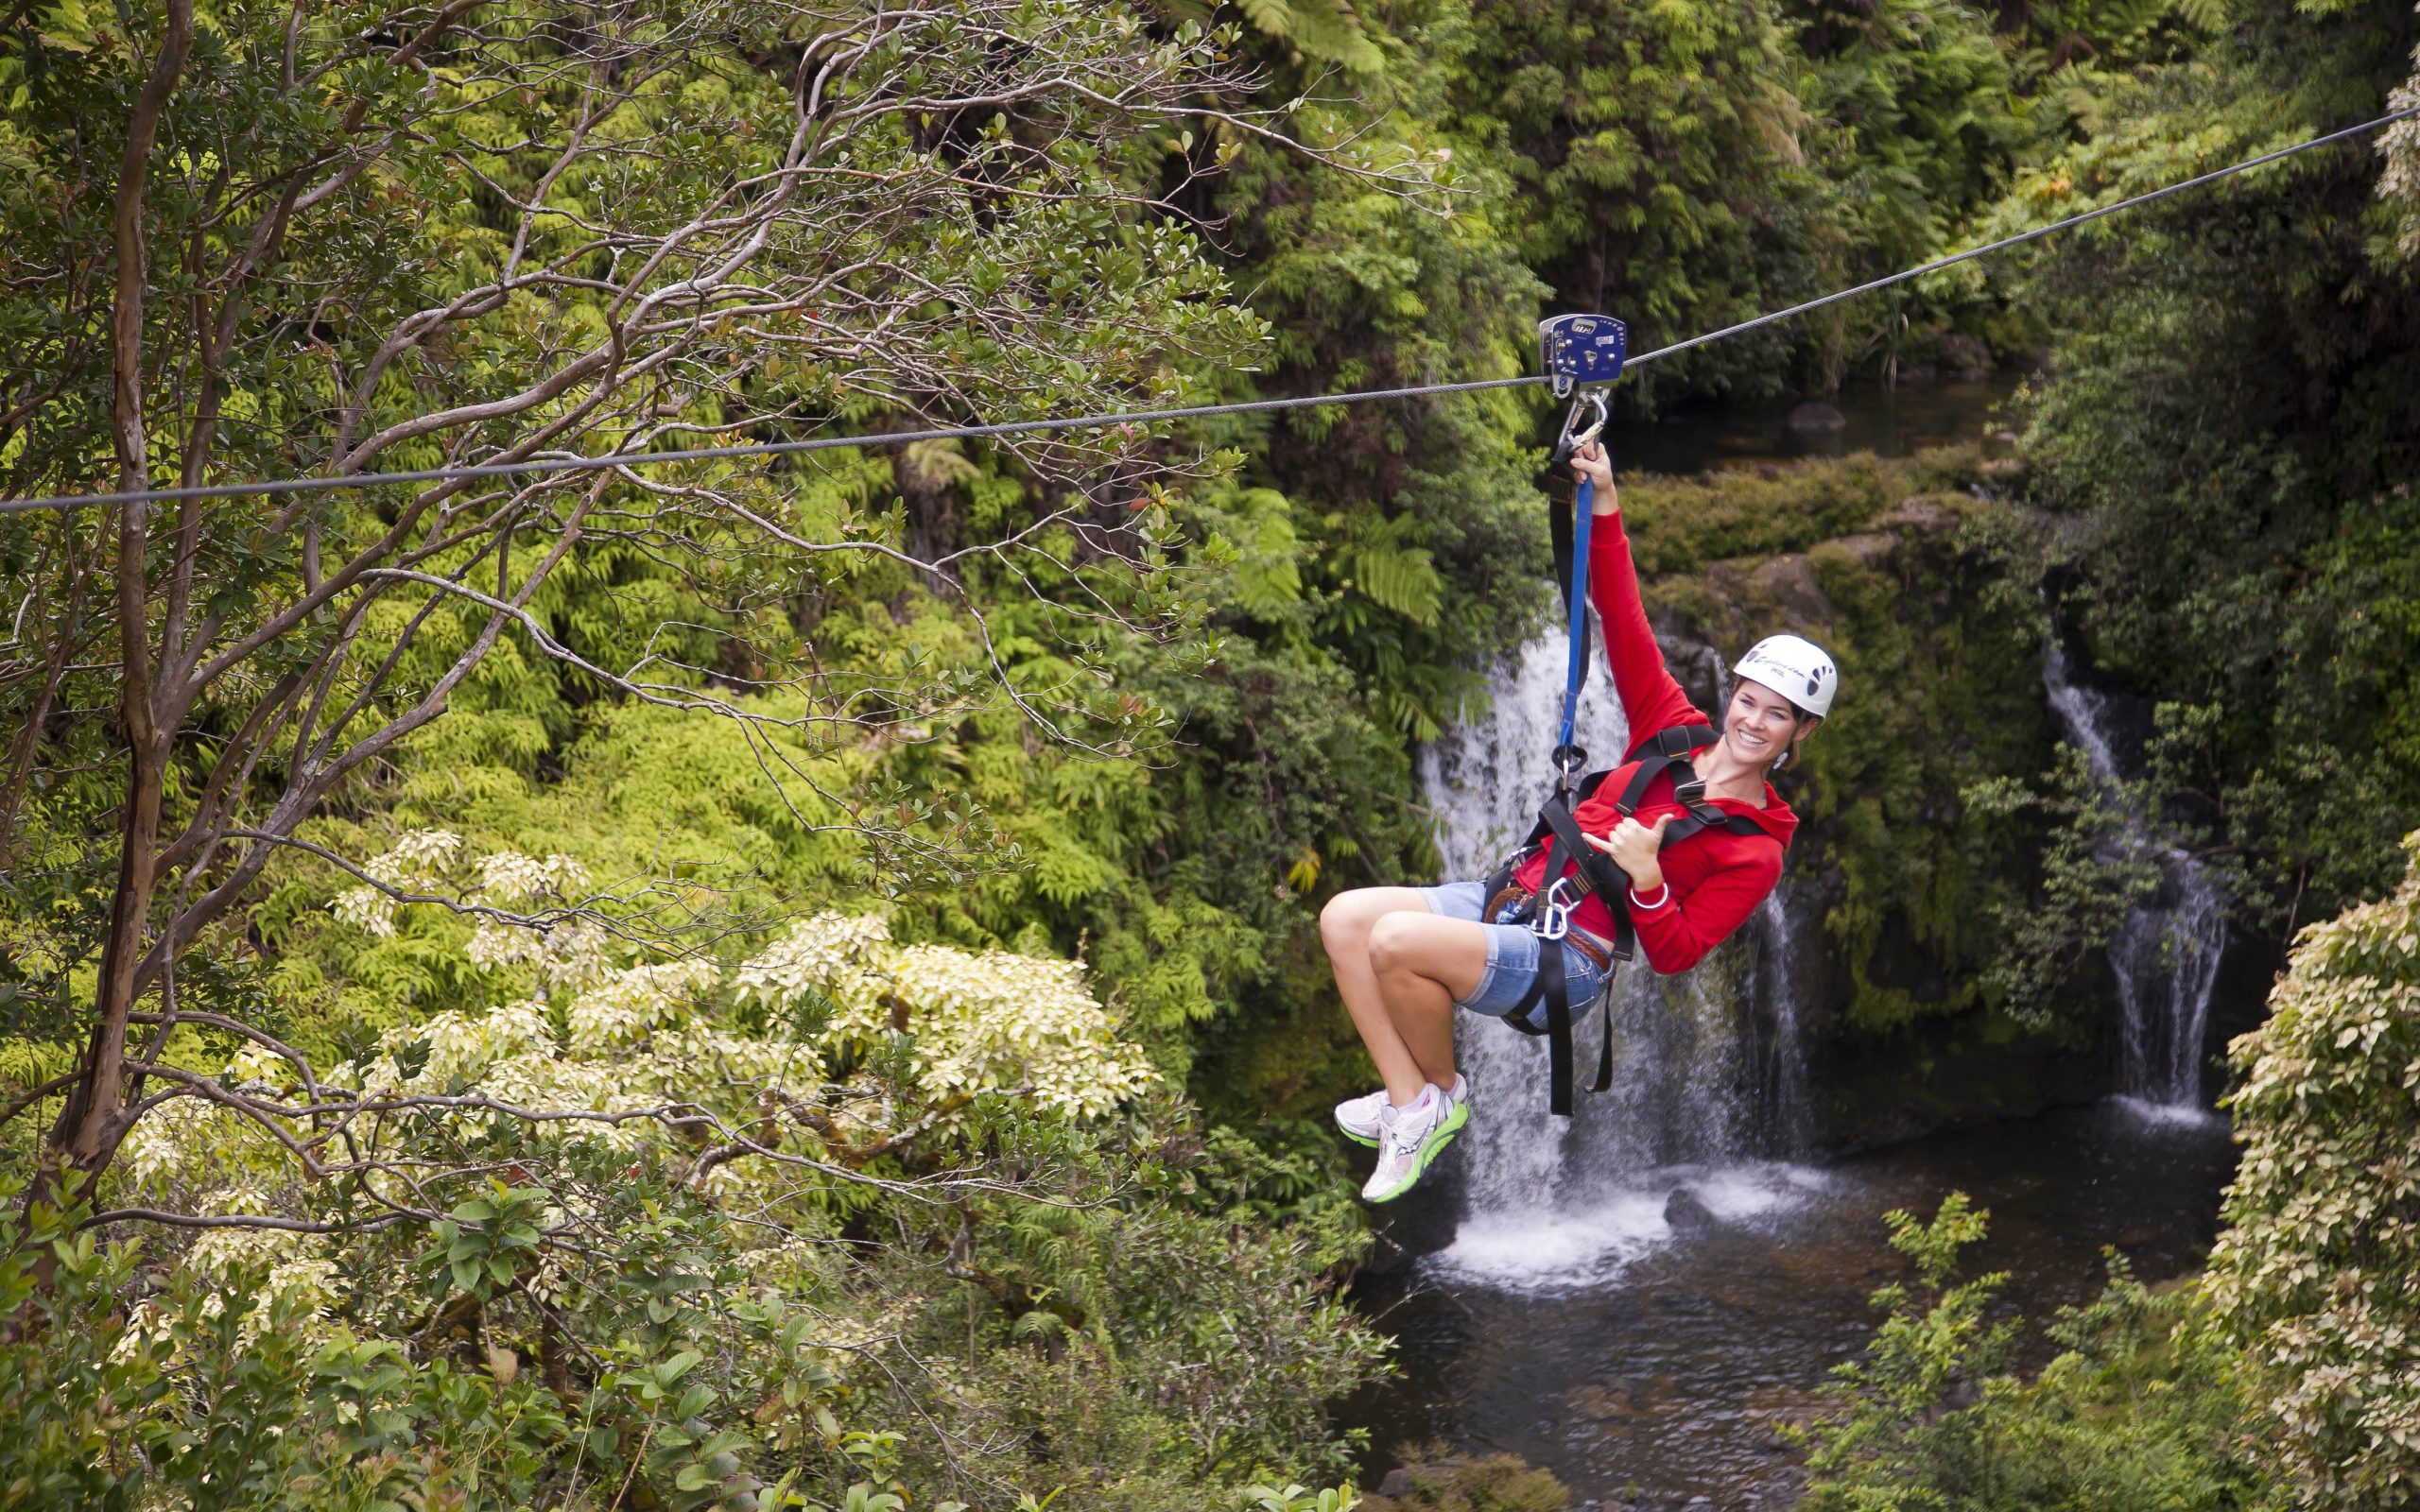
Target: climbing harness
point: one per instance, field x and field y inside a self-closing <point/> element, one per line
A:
<point x="1576" y="870"/>
<point x="1576" y="350"/>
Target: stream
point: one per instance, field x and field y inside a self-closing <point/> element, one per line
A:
<point x="1648" y="1365"/>
<point x="1634" y="1297"/>
<point x="1886" y="421"/>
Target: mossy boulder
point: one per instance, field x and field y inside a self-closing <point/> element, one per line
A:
<point x="1438" y="1480"/>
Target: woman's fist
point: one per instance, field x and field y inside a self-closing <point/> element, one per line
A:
<point x="1634" y="848"/>
<point x="1590" y="464"/>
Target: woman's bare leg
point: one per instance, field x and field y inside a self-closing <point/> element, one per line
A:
<point x="1345" y="924"/>
<point x="1425" y="962"/>
<point x="1402" y="997"/>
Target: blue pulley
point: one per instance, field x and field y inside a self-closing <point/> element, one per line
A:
<point x="1582" y="349"/>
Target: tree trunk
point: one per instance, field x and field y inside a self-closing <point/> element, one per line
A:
<point x="93" y="1122"/>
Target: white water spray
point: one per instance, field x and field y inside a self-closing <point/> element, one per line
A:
<point x="1551" y="1202"/>
<point x="2166" y="954"/>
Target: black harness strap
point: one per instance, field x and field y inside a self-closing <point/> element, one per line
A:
<point x="1591" y="872"/>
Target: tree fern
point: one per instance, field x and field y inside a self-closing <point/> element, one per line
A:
<point x="1400" y="579"/>
<point x="1324" y="31"/>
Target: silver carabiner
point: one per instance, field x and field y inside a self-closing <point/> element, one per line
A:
<point x="1570" y="440"/>
<point x="1554" y="912"/>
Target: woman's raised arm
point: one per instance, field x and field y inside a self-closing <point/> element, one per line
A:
<point x="1651" y="699"/>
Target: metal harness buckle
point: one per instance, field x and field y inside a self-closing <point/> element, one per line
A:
<point x="1554" y="912"/>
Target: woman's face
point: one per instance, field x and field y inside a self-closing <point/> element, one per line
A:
<point x="1760" y="724"/>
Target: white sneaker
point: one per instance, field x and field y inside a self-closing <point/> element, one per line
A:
<point x="1358" y="1116"/>
<point x="1410" y="1137"/>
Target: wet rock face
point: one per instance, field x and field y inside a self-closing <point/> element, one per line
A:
<point x="1816" y="418"/>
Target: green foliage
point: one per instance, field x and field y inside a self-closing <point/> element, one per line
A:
<point x="2315" y="1271"/>
<point x="1156" y="740"/>
<point x="2145" y="1406"/>
<point x="2093" y="870"/>
<point x="68" y="1393"/>
<point x="1296" y="1498"/>
<point x="124" y="1390"/>
<point x="1923" y="129"/>
<point x="913" y="1253"/>
<point x="1661" y="167"/>
<point x="2240" y="549"/>
<point x="1316" y="31"/>
<point x="1910" y="1423"/>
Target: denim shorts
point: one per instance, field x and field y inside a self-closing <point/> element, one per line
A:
<point x="1512" y="957"/>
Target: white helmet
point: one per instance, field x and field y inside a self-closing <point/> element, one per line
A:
<point x="1797" y="669"/>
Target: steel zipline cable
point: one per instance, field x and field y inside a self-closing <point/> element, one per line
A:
<point x="1145" y="416"/>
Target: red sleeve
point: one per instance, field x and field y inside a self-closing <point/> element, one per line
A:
<point x="1677" y="935"/>
<point x="1652" y="700"/>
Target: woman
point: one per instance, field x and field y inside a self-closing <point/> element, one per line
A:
<point x="1406" y="958"/>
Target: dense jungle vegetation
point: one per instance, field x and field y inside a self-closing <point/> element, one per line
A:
<point x="792" y="982"/>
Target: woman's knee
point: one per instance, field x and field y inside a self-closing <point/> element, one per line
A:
<point x="1347" y="917"/>
<point x="1398" y="941"/>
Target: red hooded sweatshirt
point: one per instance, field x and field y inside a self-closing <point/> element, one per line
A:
<point x="1717" y="878"/>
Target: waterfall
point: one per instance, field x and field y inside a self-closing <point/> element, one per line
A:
<point x="1785" y="1097"/>
<point x="2166" y="954"/>
<point x="1548" y="1200"/>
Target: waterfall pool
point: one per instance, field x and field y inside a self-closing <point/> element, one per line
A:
<point x="1647" y="1365"/>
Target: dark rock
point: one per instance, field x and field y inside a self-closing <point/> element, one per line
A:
<point x="1919" y="373"/>
<point x="1968" y="353"/>
<point x="1398" y="1482"/>
<point x="1385" y="1256"/>
<point x="1424" y="1221"/>
<point x="1816" y="418"/>
<point x="1687" y="1214"/>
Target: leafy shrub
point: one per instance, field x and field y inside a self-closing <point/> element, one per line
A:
<point x="2145" y="1408"/>
<point x="849" y="1225"/>
<point x="2318" y="1271"/>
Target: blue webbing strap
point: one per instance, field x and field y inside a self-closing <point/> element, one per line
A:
<point x="1570" y="758"/>
<point x="1582" y="507"/>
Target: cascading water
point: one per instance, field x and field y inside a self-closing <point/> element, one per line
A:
<point x="1552" y="1201"/>
<point x="2166" y="954"/>
<point x="1785" y="1096"/>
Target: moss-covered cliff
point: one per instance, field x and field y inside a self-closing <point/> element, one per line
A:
<point x="1884" y="563"/>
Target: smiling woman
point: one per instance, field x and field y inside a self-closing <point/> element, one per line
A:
<point x="1405" y="958"/>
